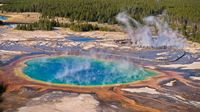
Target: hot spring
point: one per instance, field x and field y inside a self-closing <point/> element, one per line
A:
<point x="83" y="71"/>
<point x="3" y="17"/>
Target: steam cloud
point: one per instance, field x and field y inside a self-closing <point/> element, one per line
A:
<point x="119" y="72"/>
<point x="73" y="69"/>
<point x="143" y="36"/>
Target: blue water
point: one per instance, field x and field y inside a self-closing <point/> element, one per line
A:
<point x="83" y="71"/>
<point x="80" y="39"/>
<point x="3" y="18"/>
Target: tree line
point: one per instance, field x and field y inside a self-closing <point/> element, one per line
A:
<point x="49" y="24"/>
<point x="106" y="10"/>
<point x="184" y="14"/>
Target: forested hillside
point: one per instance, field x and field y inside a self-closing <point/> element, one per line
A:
<point x="182" y="13"/>
<point x="105" y="10"/>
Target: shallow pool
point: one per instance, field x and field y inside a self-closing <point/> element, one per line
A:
<point x="3" y="17"/>
<point x="80" y="39"/>
<point x="84" y="71"/>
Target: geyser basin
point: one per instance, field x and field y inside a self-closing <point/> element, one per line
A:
<point x="83" y="71"/>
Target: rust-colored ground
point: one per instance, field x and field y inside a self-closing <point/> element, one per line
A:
<point x="15" y="80"/>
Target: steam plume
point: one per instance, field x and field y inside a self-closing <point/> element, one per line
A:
<point x="142" y="35"/>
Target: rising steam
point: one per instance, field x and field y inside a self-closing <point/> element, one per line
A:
<point x="71" y="69"/>
<point x="143" y="35"/>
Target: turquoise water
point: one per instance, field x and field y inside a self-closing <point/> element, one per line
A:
<point x="83" y="71"/>
<point x="3" y="18"/>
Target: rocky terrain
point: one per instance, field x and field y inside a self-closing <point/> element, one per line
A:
<point x="175" y="89"/>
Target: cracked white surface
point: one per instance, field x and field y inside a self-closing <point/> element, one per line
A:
<point x="81" y="103"/>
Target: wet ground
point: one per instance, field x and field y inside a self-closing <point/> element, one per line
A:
<point x="176" y="89"/>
